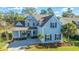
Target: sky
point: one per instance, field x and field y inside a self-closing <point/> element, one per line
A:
<point x="57" y="10"/>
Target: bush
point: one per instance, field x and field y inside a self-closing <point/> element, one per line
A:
<point x="3" y="35"/>
<point x="75" y="37"/>
<point x="10" y="35"/>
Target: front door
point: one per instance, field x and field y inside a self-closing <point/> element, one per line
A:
<point x="34" y="32"/>
<point x="28" y="34"/>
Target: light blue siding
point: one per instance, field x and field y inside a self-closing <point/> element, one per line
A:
<point x="47" y="30"/>
<point x="16" y="34"/>
<point x="31" y="21"/>
<point x="44" y="30"/>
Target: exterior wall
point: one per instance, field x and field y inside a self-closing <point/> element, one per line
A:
<point x="44" y="30"/>
<point x="31" y="21"/>
<point x="47" y="30"/>
<point x="16" y="34"/>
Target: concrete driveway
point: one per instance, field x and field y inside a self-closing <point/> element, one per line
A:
<point x="20" y="43"/>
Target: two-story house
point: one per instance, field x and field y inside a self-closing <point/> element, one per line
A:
<point x="36" y="29"/>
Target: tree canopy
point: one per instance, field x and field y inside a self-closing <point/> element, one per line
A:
<point x="43" y="11"/>
<point x="68" y="13"/>
<point x="18" y="17"/>
<point x="69" y="29"/>
<point x="29" y="10"/>
<point x="50" y="11"/>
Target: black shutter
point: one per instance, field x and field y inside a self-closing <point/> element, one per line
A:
<point x="55" y="37"/>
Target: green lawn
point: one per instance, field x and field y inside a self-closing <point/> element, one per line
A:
<point x="3" y="47"/>
<point x="64" y="48"/>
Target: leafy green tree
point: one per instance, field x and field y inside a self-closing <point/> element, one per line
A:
<point x="5" y="18"/>
<point x="29" y="10"/>
<point x="43" y="11"/>
<point x="18" y="17"/>
<point x="1" y="16"/>
<point x="69" y="29"/>
<point x="68" y="13"/>
<point x="69" y="10"/>
<point x="65" y="14"/>
<point x="40" y="36"/>
<point x="9" y="16"/>
<point x="50" y="11"/>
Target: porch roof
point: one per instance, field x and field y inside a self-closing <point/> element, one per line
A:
<point x="20" y="28"/>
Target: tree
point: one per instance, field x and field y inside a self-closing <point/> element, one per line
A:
<point x="43" y="11"/>
<point x="29" y="10"/>
<point x="5" y="18"/>
<point x="1" y="16"/>
<point x="69" y="10"/>
<point x="18" y="17"/>
<point x="65" y="14"/>
<point x="10" y="16"/>
<point x="1" y="20"/>
<point x="50" y="11"/>
<point x="69" y="29"/>
<point x="68" y="13"/>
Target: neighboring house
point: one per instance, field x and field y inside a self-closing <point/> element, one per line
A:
<point x="65" y="20"/>
<point x="75" y="20"/>
<point x="45" y="29"/>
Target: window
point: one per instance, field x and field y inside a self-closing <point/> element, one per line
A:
<point x="15" y="34"/>
<point x="29" y="17"/>
<point x="28" y="33"/>
<point x="27" y="24"/>
<point x="53" y="25"/>
<point x="57" y="36"/>
<point x="33" y="24"/>
<point x="47" y="37"/>
<point x="35" y="32"/>
<point x="23" y="32"/>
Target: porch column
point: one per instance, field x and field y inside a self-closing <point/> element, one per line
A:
<point x="19" y="34"/>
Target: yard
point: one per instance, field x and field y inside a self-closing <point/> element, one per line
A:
<point x="63" y="48"/>
<point x="3" y="46"/>
<point x="73" y="47"/>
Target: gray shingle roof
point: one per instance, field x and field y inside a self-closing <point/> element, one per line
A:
<point x="22" y="22"/>
<point x="42" y="19"/>
<point x="45" y="19"/>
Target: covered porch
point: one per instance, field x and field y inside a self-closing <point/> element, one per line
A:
<point x="22" y="33"/>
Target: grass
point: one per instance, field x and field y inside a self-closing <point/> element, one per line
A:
<point x="64" y="48"/>
<point x="2" y="30"/>
<point x="3" y="47"/>
<point x="2" y="40"/>
<point x="3" y="44"/>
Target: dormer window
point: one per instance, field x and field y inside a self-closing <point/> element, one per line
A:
<point x="33" y="24"/>
<point x="27" y="24"/>
<point x="29" y="17"/>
